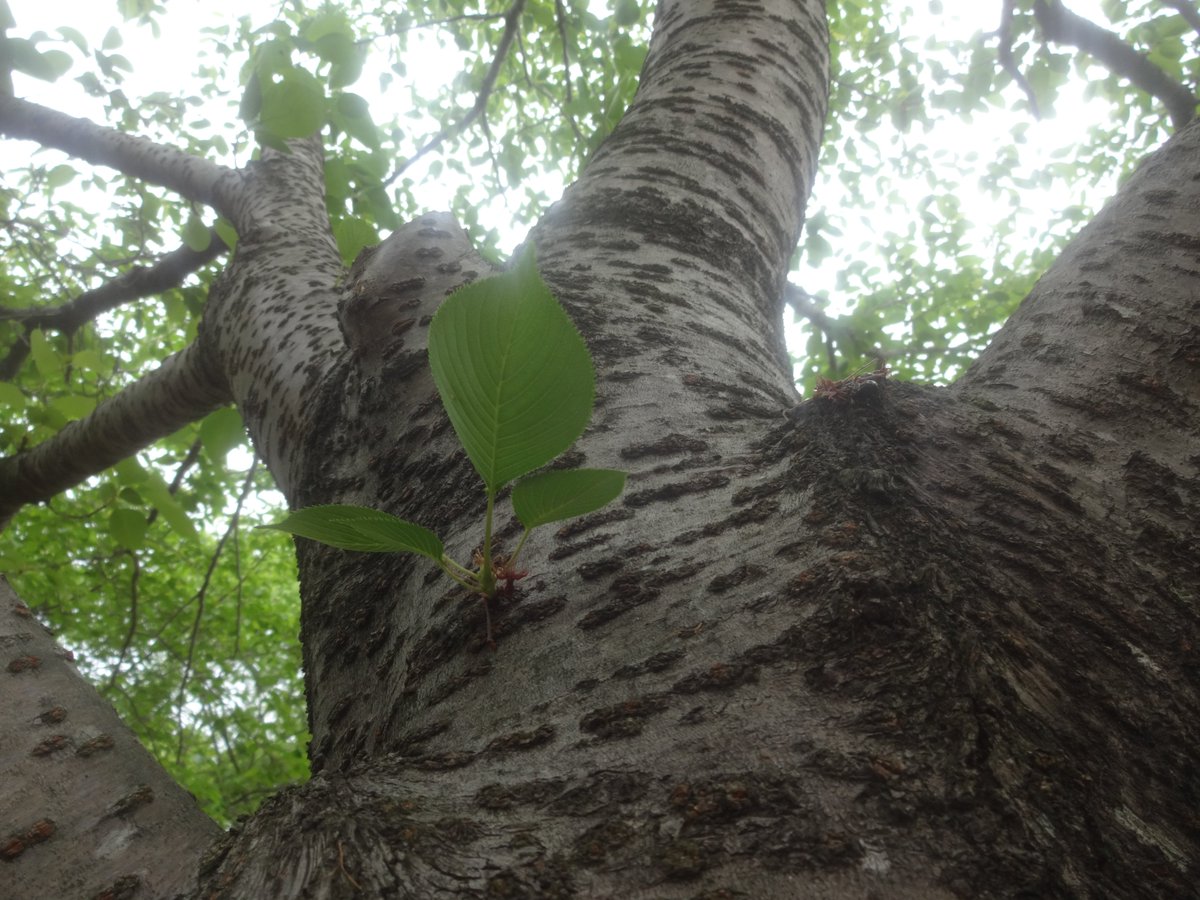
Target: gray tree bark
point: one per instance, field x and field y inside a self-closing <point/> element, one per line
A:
<point x="905" y="642"/>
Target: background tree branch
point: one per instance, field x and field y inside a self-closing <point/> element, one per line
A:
<point x="1061" y="25"/>
<point x="190" y="176"/>
<point x="138" y="282"/>
<point x="184" y="388"/>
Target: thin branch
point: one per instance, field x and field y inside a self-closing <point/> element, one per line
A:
<point x="560" y="19"/>
<point x="512" y="19"/>
<point x="202" y="593"/>
<point x="1061" y="25"/>
<point x="1188" y="10"/>
<point x="133" y="619"/>
<point x="1006" y="58"/>
<point x="451" y="20"/>
<point x="190" y="176"/>
<point x="142" y="281"/>
<point x="184" y="388"/>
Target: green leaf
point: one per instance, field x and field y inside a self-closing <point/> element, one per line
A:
<point x="155" y="490"/>
<point x="45" y="357"/>
<point x="227" y="233"/>
<point x="128" y="527"/>
<point x="75" y="37"/>
<point x="221" y="431"/>
<point x="564" y="494"/>
<point x="196" y="234"/>
<point x="352" y="235"/>
<point x="360" y="528"/>
<point x="293" y="107"/>
<point x="112" y="40"/>
<point x="513" y="373"/>
<point x="11" y="396"/>
<point x="60" y="175"/>
<point x="73" y="406"/>
<point x="47" y="65"/>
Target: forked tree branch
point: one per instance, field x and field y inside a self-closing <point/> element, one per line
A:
<point x="1061" y="25"/>
<point x="189" y="176"/>
<point x="141" y="281"/>
<point x="183" y="389"/>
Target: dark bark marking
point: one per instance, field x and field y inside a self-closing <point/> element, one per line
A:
<point x="697" y="485"/>
<point x="124" y="888"/>
<point x="601" y="567"/>
<point x="745" y="574"/>
<point x="659" y="662"/>
<point x="506" y="796"/>
<point x="718" y="677"/>
<point x="571" y="549"/>
<point x="407" y="743"/>
<point x="440" y="762"/>
<point x="587" y="523"/>
<point x="522" y="740"/>
<point x="670" y="445"/>
<point x="50" y="745"/>
<point x="601" y="794"/>
<point x="52" y="716"/>
<point x="632" y="590"/>
<point x="622" y="720"/>
<point x="24" y="663"/>
<point x="16" y="844"/>
<point x="760" y="512"/>
<point x="134" y="800"/>
<point x="95" y="745"/>
<point x="598" y="843"/>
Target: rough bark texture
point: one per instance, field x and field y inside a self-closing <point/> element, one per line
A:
<point x="907" y="642"/>
<point x="84" y="808"/>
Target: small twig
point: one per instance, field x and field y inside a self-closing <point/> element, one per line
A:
<point x="1007" y="62"/>
<point x="512" y="19"/>
<point x="133" y="618"/>
<point x="202" y="593"/>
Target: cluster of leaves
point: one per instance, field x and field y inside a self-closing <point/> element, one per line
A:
<point x="517" y="383"/>
<point x="924" y="293"/>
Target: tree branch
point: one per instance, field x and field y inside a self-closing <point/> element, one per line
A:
<point x="1186" y="9"/>
<point x="511" y="20"/>
<point x="1061" y="25"/>
<point x="141" y="281"/>
<point x="1007" y="62"/>
<point x="184" y="388"/>
<point x="190" y="176"/>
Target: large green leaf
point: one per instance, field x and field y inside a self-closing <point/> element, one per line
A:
<point x="564" y="494"/>
<point x="360" y="528"/>
<point x="514" y="374"/>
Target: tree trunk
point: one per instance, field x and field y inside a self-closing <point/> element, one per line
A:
<point x="902" y="642"/>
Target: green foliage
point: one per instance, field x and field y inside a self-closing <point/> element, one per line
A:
<point x="513" y="373"/>
<point x="517" y="383"/>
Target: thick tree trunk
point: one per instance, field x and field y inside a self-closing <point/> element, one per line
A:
<point x="907" y="643"/>
<point x="904" y="642"/>
<point x="84" y="809"/>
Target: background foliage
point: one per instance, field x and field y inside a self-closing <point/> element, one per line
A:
<point x="916" y="249"/>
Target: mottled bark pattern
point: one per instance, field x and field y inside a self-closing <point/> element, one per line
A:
<point x="83" y="807"/>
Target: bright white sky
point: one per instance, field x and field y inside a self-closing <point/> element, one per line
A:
<point x="168" y="63"/>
